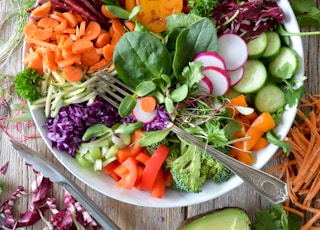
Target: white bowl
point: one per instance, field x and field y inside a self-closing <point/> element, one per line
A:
<point x="107" y="186"/>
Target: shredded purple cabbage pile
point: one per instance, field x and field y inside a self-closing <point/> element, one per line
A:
<point x="250" y="19"/>
<point x="66" y="218"/>
<point x="67" y="128"/>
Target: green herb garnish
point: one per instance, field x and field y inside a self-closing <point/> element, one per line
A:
<point x="26" y="84"/>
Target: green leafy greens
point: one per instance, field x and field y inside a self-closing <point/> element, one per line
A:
<point x="306" y="12"/>
<point x="26" y="84"/>
<point x="276" y="219"/>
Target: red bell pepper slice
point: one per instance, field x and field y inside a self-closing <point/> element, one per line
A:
<point x="153" y="166"/>
<point x="159" y="185"/>
<point x="128" y="179"/>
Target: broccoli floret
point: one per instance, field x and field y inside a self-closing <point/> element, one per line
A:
<point x="185" y="169"/>
<point x="213" y="169"/>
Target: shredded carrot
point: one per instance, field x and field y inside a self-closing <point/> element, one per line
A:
<point x="301" y="169"/>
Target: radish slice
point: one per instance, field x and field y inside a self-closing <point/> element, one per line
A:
<point x="236" y="75"/>
<point x="211" y="59"/>
<point x="140" y="115"/>
<point x="205" y="86"/>
<point x="219" y="78"/>
<point x="233" y="49"/>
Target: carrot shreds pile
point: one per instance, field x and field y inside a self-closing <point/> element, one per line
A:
<point x="301" y="169"/>
<point x="69" y="42"/>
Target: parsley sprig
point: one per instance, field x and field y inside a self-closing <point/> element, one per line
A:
<point x="26" y="84"/>
<point x="276" y="219"/>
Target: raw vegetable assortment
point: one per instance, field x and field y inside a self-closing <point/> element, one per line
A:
<point x="220" y="71"/>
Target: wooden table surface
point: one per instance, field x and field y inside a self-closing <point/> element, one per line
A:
<point x="125" y="215"/>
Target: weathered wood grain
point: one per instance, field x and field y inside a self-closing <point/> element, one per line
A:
<point x="125" y="215"/>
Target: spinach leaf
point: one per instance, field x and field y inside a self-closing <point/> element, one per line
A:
<point x="199" y="37"/>
<point x="139" y="57"/>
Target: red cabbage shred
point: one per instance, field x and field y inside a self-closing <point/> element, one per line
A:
<point x="65" y="131"/>
<point x="253" y="17"/>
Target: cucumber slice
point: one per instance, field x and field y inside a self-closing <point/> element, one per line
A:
<point x="257" y="46"/>
<point x="270" y="98"/>
<point x="285" y="64"/>
<point x="273" y="46"/>
<point x="255" y="75"/>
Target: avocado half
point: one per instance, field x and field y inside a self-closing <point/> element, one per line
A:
<point x="222" y="219"/>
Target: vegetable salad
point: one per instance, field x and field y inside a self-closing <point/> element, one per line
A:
<point x="223" y="71"/>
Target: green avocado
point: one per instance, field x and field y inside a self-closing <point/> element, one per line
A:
<point x="222" y="219"/>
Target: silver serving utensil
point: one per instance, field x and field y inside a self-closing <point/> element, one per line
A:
<point x="113" y="91"/>
<point x="50" y="171"/>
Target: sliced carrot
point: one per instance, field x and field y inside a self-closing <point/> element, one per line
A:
<point x="103" y="39"/>
<point x="117" y="26"/>
<point x="92" y="31"/>
<point x="252" y="116"/>
<point x="34" y="61"/>
<point x="69" y="61"/>
<point x="57" y="16"/>
<point x="62" y="26"/>
<point x="264" y="122"/>
<point x="58" y="55"/>
<point x="130" y="25"/>
<point x="49" y="59"/>
<point x="71" y="31"/>
<point x="108" y="52"/>
<point x="81" y="46"/>
<point x="48" y="22"/>
<point x="255" y="135"/>
<point x="42" y="34"/>
<point x="90" y="58"/>
<point x="79" y="18"/>
<point x="42" y="10"/>
<point x="66" y="43"/>
<point x="115" y="38"/>
<point x="41" y="43"/>
<point x="71" y="18"/>
<point x="99" y="65"/>
<point x="262" y="143"/>
<point x="67" y="53"/>
<point x="72" y="73"/>
<point x="107" y="13"/>
<point x="241" y="155"/>
<point x="82" y="29"/>
<point x="239" y="101"/>
<point x="29" y="28"/>
<point x="148" y="103"/>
